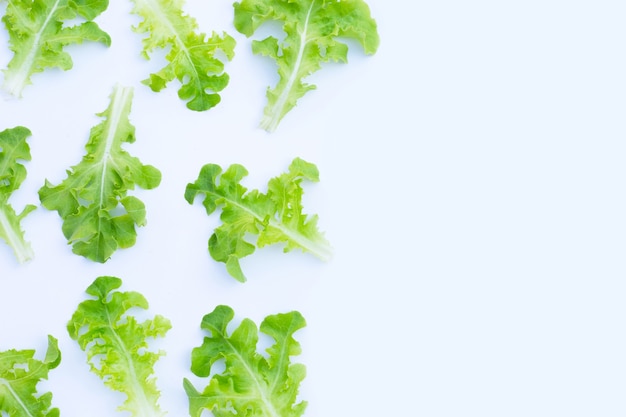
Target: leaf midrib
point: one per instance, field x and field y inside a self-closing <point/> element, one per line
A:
<point x="26" y="66"/>
<point x="135" y="385"/>
<point x="18" y="399"/>
<point x="292" y="235"/>
<point x="164" y="18"/>
<point x="262" y="395"/>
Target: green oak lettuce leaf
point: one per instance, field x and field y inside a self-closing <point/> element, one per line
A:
<point x="274" y="217"/>
<point x="194" y="59"/>
<point x="39" y="31"/>
<point x="116" y="344"/>
<point x="251" y="384"/>
<point x="20" y="373"/>
<point x="98" y="215"/>
<point x="13" y="149"/>
<point x="311" y="30"/>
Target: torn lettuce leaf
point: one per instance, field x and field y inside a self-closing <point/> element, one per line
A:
<point x="117" y="345"/>
<point x="98" y="215"/>
<point x="39" y="31"/>
<point x="311" y="30"/>
<point x="20" y="373"/>
<point x="251" y="383"/>
<point x="193" y="58"/>
<point x="13" y="150"/>
<point x="275" y="216"/>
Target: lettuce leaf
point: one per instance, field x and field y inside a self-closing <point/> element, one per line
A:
<point x="13" y="149"/>
<point x="117" y="344"/>
<point x="311" y="28"/>
<point x="98" y="215"/>
<point x="38" y="34"/>
<point x="251" y="384"/>
<point x="276" y="216"/>
<point x="20" y="373"/>
<point x="192" y="57"/>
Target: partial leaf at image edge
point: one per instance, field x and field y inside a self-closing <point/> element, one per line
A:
<point x="13" y="150"/>
<point x="20" y="373"/>
<point x="39" y="32"/>
<point x="274" y="217"/>
<point x="251" y="383"/>
<point x="117" y="345"/>
<point x="312" y="29"/>
<point x="98" y="215"/>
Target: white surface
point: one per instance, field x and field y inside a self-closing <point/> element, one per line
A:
<point x="472" y="185"/>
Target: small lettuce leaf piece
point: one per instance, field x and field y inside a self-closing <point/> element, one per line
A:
<point x="311" y="28"/>
<point x="38" y="34"/>
<point x="98" y="215"/>
<point x="275" y="217"/>
<point x="117" y="344"/>
<point x="251" y="384"/>
<point x="13" y="149"/>
<point x="20" y="373"/>
<point x="193" y="58"/>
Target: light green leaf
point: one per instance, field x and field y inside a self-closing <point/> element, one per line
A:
<point x="311" y="30"/>
<point x="275" y="217"/>
<point x="98" y="216"/>
<point x="251" y="384"/>
<point x="38" y="34"/>
<point x="20" y="373"/>
<point x="117" y="344"/>
<point x="13" y="149"/>
<point x="193" y="58"/>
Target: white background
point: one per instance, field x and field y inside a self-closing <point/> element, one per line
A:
<point x="472" y="186"/>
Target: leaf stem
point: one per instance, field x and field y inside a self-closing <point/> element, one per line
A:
<point x="322" y="250"/>
<point x="22" y="249"/>
<point x="17" y="80"/>
<point x="17" y="398"/>
<point x="275" y="113"/>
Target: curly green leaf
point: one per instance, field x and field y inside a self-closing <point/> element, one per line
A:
<point x="38" y="34"/>
<point x="117" y="344"/>
<point x="13" y="150"/>
<point x="98" y="215"/>
<point x="20" y="373"/>
<point x="311" y="30"/>
<point x="192" y="57"/>
<point x="274" y="217"/>
<point x="251" y="384"/>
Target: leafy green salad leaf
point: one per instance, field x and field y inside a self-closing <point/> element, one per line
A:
<point x="38" y="33"/>
<point x="192" y="56"/>
<point x="98" y="215"/>
<point x="117" y="344"/>
<point x="275" y="216"/>
<point x="251" y="384"/>
<point x="311" y="30"/>
<point x="20" y="373"/>
<point x="13" y="149"/>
